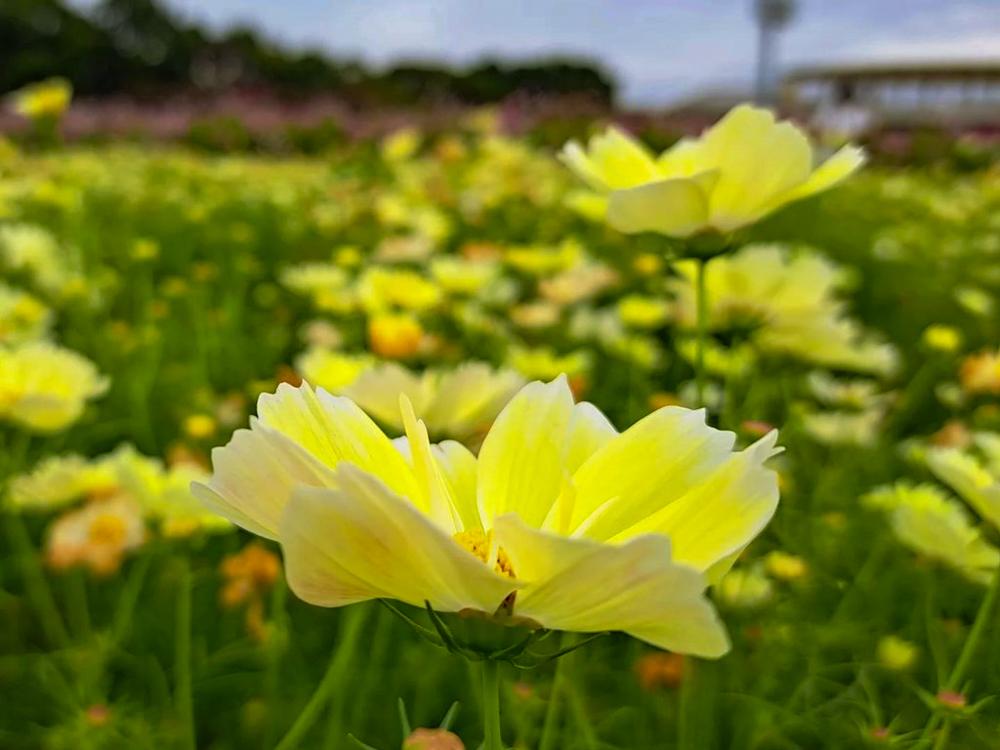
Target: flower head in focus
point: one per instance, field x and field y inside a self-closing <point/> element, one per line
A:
<point x="561" y="522"/>
<point x="737" y="172"/>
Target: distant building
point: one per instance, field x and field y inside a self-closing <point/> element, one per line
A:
<point x="897" y="95"/>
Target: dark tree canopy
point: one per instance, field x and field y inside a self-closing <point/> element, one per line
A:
<point x="141" y="48"/>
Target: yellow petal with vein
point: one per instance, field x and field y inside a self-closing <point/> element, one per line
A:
<point x="361" y="541"/>
<point x="653" y="463"/>
<point x="586" y="586"/>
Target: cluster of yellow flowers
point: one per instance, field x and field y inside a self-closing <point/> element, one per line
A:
<point x="108" y="505"/>
<point x="43" y="386"/>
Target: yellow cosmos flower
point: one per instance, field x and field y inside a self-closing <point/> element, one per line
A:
<point x="310" y="278"/>
<point x="942" y="338"/>
<point x="542" y="363"/>
<point x="583" y="280"/>
<point x="980" y="372"/>
<point x="457" y="403"/>
<point x="98" y="535"/>
<point x="62" y="480"/>
<point x="786" y="303"/>
<point x="976" y="478"/>
<point x="561" y="522"/>
<point x="745" y="588"/>
<point x="45" y="387"/>
<point x="395" y="336"/>
<point x="743" y="168"/>
<point x="33" y="250"/>
<point x="932" y="523"/>
<point x="331" y="370"/>
<point x="22" y="316"/>
<point x="164" y="493"/>
<point x="638" y="311"/>
<point x="45" y="99"/>
<point x="402" y="145"/>
<point x="459" y="276"/>
<point x="897" y="654"/>
<point x="381" y="289"/>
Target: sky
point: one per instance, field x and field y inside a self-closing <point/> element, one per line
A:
<point x="659" y="50"/>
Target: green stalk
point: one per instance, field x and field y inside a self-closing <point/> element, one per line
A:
<point x="943" y="736"/>
<point x="273" y="651"/>
<point x="552" y="710"/>
<point x="354" y="619"/>
<point x="491" y="705"/>
<point x="701" y="303"/>
<point x="975" y="635"/>
<point x="968" y="653"/>
<point x="36" y="583"/>
<point x="182" y="657"/>
<point x="78" y="608"/>
<point x="697" y="712"/>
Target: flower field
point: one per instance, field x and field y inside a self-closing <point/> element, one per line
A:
<point x="157" y="593"/>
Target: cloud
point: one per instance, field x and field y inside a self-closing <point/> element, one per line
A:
<point x="657" y="49"/>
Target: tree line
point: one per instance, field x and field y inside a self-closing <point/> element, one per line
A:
<point x="141" y="48"/>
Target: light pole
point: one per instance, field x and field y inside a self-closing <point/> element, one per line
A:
<point x="772" y="16"/>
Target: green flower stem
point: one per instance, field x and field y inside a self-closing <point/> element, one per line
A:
<point x="563" y="686"/>
<point x="491" y="705"/>
<point x="553" y="709"/>
<point x="943" y="736"/>
<point x="968" y="653"/>
<point x="182" y="656"/>
<point x="697" y="710"/>
<point x="274" y="648"/>
<point x="36" y="583"/>
<point x="701" y="303"/>
<point x="121" y="623"/>
<point x="353" y="621"/>
<point x="77" y="605"/>
<point x="984" y="615"/>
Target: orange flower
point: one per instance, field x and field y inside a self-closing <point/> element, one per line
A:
<point x="97" y="535"/>
<point x="980" y="373"/>
<point x="660" y="669"/>
<point x="394" y="336"/>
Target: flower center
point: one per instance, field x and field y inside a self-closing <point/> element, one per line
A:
<point x="480" y="543"/>
<point x="107" y="529"/>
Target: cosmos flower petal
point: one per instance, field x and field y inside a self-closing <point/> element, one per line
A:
<point x="589" y="431"/>
<point x="969" y="477"/>
<point x="360" y="540"/>
<point x="676" y="207"/>
<point x="586" y="586"/>
<point x="574" y="157"/>
<point x="458" y="465"/>
<point x="716" y="520"/>
<point x="834" y="170"/>
<point x="334" y="429"/>
<point x="759" y="161"/>
<point x="653" y="463"/>
<point x="521" y="461"/>
<point x="253" y="478"/>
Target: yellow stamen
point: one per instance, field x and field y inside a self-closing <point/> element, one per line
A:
<point x="479" y="543"/>
<point x="107" y="529"/>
